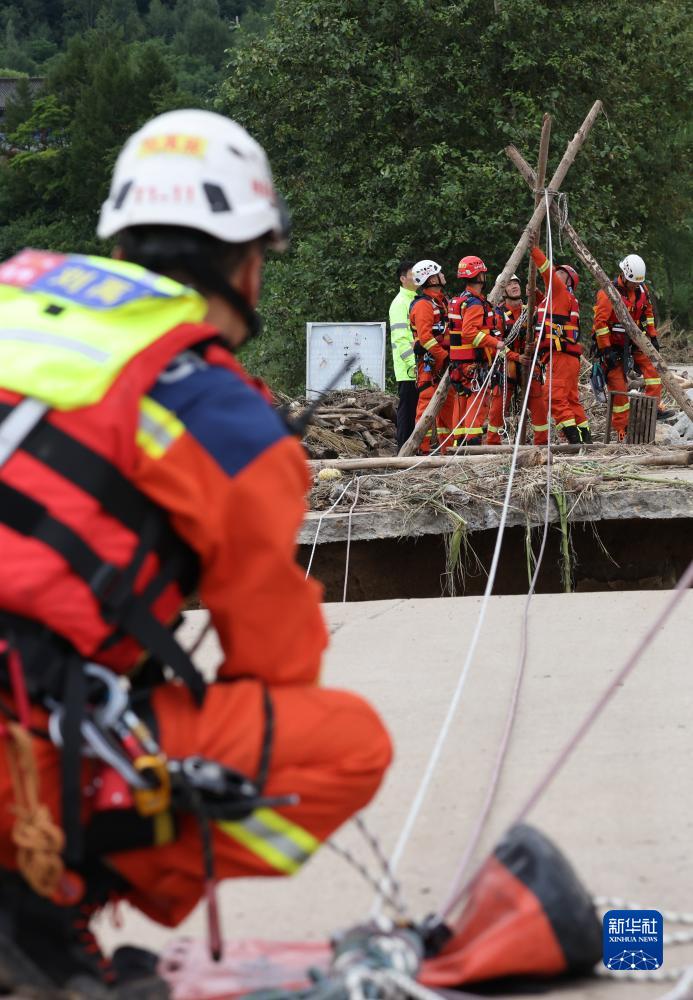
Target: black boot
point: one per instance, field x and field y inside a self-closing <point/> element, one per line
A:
<point x="585" y="435"/>
<point x="572" y="435"/>
<point x="48" y="948"/>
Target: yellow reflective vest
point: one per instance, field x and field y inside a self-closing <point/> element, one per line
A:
<point x="401" y="336"/>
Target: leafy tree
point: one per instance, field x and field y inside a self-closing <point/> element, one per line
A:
<point x="19" y="107"/>
<point x="386" y="123"/>
<point x="52" y="188"/>
<point x="11" y="52"/>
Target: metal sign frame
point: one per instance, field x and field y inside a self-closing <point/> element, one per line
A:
<point x="377" y="378"/>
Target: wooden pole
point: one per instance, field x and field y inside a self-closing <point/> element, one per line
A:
<point x="525" y="374"/>
<point x="641" y="340"/>
<point x="572" y="149"/>
<point x="587" y="453"/>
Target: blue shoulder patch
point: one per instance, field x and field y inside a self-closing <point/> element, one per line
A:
<point x="225" y="415"/>
<point x="87" y="283"/>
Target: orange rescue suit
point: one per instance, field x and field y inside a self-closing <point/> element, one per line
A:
<point x="558" y="319"/>
<point x="428" y="318"/>
<point x="609" y="333"/>
<point x="473" y="346"/>
<point x="501" y="393"/>
<point x="221" y="460"/>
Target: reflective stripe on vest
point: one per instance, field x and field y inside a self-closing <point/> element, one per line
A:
<point x="90" y="316"/>
<point x="158" y="428"/>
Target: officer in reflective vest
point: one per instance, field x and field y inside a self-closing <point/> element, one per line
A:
<point x="140" y="464"/>
<point x="403" y="352"/>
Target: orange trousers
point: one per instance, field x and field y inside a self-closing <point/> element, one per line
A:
<point x="445" y="421"/>
<point x="617" y="382"/>
<point x="330" y="748"/>
<point x="566" y="408"/>
<point x="473" y="408"/>
<point x="536" y="406"/>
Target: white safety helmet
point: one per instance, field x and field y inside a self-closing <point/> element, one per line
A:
<point x="423" y="270"/>
<point x="633" y="268"/>
<point x="198" y="170"/>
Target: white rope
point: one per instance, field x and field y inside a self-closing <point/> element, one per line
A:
<point x="458" y="890"/>
<point x="348" y="545"/>
<point x="387" y="475"/>
<point x="424" y="785"/>
<point x="604" y="903"/>
<point x="684" y="988"/>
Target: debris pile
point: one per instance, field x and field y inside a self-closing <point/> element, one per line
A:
<point x="353" y="424"/>
<point x="482" y="481"/>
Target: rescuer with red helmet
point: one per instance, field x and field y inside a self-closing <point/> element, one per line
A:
<point x="140" y="464"/>
<point x="475" y="338"/>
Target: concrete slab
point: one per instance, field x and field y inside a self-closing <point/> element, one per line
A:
<point x="622" y="809"/>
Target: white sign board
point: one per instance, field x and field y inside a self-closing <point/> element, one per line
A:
<point x="328" y="345"/>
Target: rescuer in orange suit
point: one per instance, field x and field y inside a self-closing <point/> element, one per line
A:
<point x="475" y="338"/>
<point x="141" y="464"/>
<point x="558" y="319"/>
<point x="613" y="342"/>
<point x="509" y="313"/>
<point x="428" y="318"/>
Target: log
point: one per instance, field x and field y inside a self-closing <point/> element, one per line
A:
<point x="572" y="149"/>
<point x="679" y="455"/>
<point x="532" y="278"/>
<point x="642" y="342"/>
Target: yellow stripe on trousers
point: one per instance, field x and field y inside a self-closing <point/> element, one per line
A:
<point x="279" y="842"/>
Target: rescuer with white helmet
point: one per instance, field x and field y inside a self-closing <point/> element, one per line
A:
<point x="633" y="268"/>
<point x="618" y="355"/>
<point x="141" y="465"/>
<point x="428" y="319"/>
<point x="188" y="189"/>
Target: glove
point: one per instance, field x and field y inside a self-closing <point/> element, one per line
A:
<point x="655" y="343"/>
<point x="611" y="357"/>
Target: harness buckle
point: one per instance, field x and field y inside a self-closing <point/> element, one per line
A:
<point x="157" y="799"/>
<point x="106" y="585"/>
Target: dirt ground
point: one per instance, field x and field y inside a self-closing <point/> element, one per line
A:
<point x="621" y="810"/>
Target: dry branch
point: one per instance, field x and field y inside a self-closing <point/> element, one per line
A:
<point x="532" y="278"/>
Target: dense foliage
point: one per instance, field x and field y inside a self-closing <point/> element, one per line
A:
<point x="385" y="124"/>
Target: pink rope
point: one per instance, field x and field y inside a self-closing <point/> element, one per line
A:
<point x="684" y="583"/>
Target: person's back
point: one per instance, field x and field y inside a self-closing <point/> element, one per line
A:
<point x="141" y="463"/>
<point x="403" y="359"/>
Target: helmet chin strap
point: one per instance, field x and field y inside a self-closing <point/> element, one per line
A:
<point x="212" y="280"/>
<point x="159" y="255"/>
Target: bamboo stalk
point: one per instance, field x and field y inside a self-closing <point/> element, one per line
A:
<point x="572" y="149"/>
<point x="641" y="341"/>
<point x="532" y="278"/>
